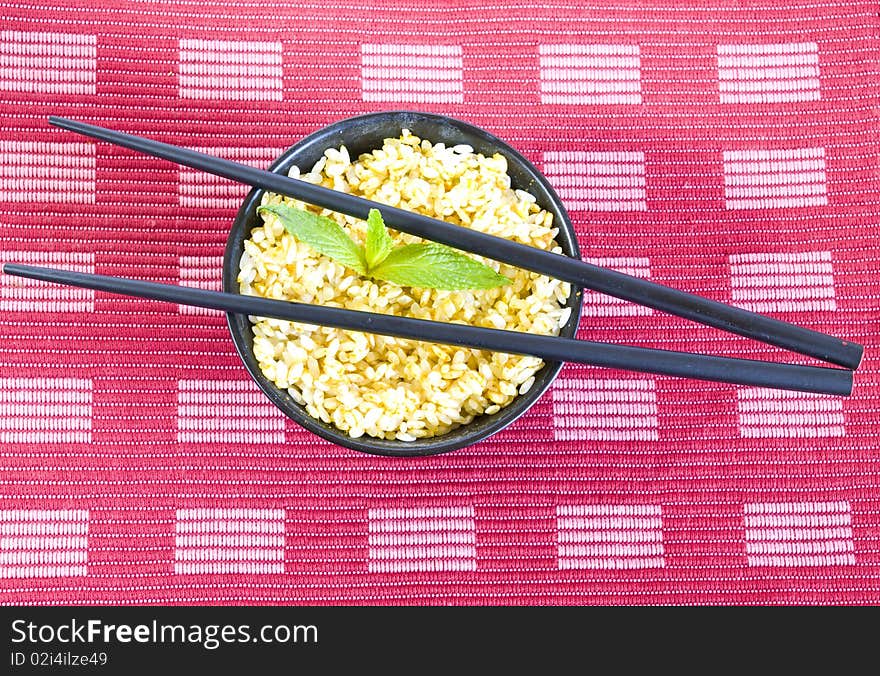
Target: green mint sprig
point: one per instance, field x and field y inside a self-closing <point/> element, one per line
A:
<point x="429" y="265"/>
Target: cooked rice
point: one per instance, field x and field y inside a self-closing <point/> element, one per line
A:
<point x="388" y="387"/>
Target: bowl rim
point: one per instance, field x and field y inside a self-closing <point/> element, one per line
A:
<point x="452" y="440"/>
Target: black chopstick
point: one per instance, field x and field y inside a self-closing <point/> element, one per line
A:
<point x="702" y="367"/>
<point x="575" y="271"/>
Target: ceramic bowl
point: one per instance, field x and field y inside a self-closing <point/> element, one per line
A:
<point x="363" y="134"/>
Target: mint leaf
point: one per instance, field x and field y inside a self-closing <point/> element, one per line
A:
<point x="323" y="234"/>
<point x="378" y="240"/>
<point x="427" y="266"/>
<point x="435" y="266"/>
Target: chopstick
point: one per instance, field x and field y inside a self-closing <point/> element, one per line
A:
<point x="821" y="380"/>
<point x="578" y="272"/>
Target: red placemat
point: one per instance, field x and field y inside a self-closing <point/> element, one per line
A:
<point x="728" y="150"/>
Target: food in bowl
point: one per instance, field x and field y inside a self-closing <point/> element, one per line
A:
<point x="391" y="388"/>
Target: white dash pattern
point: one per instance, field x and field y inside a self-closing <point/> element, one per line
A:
<point x="200" y="272"/>
<point x="201" y="189"/>
<point x="609" y="537"/>
<point x="412" y="73"/>
<point x="783" y="282"/>
<point x="48" y="63"/>
<point x="422" y="539"/>
<point x="45" y="410"/>
<point x="766" y="413"/>
<point x="799" y="533"/>
<point x="775" y="179"/>
<point x="57" y="172"/>
<point x="43" y="542"/>
<point x="236" y="70"/>
<point x="226" y="411"/>
<point x="590" y="74"/>
<point x="769" y="73"/>
<point x="598" y="181"/>
<point x="604" y="410"/>
<point x="17" y="295"/>
<point x="222" y="541"/>
<point x="601" y="305"/>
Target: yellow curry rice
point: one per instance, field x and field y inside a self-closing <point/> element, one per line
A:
<point x="387" y="387"/>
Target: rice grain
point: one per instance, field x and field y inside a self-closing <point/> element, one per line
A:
<point x="393" y="388"/>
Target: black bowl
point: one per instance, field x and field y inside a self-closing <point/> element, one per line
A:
<point x="360" y="135"/>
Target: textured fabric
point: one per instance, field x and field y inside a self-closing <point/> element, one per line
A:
<point x="726" y="149"/>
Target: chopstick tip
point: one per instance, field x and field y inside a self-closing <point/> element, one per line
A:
<point x="13" y="269"/>
<point x="860" y="355"/>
